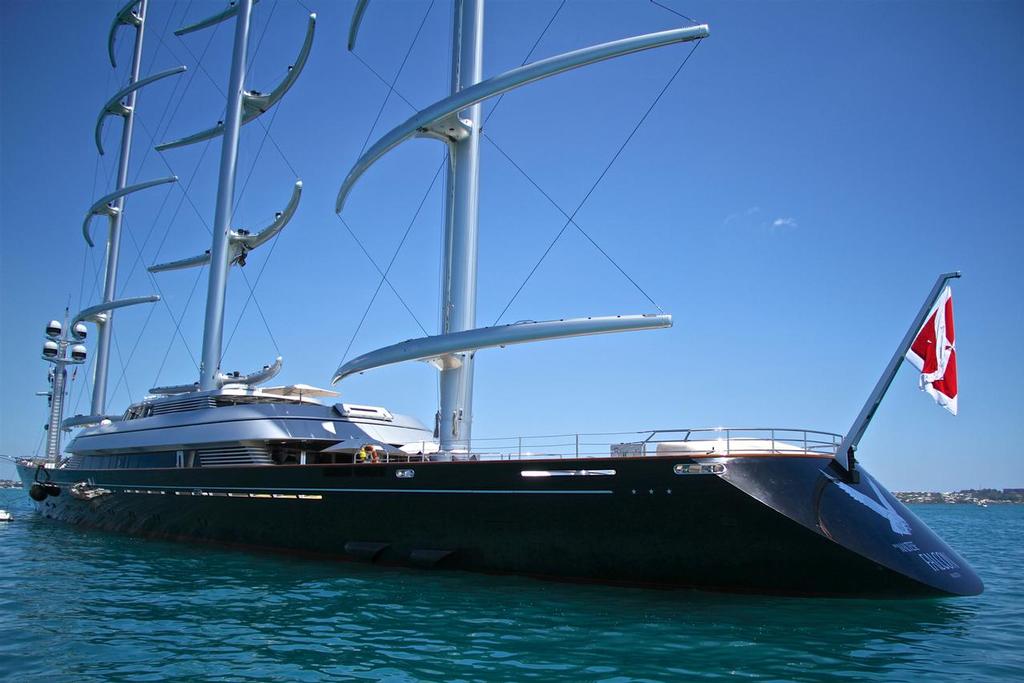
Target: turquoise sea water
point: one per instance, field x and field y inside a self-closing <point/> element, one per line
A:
<point x="78" y="605"/>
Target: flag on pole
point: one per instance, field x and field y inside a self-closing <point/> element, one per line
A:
<point x="933" y="352"/>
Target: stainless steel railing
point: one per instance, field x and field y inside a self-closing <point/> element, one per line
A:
<point x="706" y="441"/>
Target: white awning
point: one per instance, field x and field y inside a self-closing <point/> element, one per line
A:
<point x="300" y="390"/>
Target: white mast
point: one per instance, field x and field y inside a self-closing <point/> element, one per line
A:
<point x="99" y="386"/>
<point x="456" y="121"/>
<point x="230" y="246"/>
<point x="112" y="205"/>
<point x="458" y="298"/>
<point x="213" y="328"/>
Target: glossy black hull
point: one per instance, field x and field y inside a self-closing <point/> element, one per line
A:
<point x="778" y="524"/>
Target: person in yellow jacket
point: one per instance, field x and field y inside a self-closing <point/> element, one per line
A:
<point x="368" y="453"/>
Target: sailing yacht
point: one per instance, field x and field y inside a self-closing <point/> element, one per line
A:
<point x="231" y="460"/>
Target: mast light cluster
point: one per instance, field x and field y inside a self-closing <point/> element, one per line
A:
<point x="61" y="348"/>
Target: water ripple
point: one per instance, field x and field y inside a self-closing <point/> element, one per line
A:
<point x="111" y="607"/>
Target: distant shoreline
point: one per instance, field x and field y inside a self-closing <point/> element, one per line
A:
<point x="966" y="497"/>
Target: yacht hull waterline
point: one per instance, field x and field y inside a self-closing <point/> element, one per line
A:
<point x="766" y="524"/>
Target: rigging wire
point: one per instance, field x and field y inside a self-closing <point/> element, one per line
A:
<point x="259" y="309"/>
<point x="525" y="60"/>
<point x="380" y="272"/>
<point x="600" y="177"/>
<point x="530" y="178"/>
<point x="383" y="80"/>
<point x="152" y="140"/>
<point x="95" y="181"/>
<point x="120" y="359"/>
<point x="678" y="14"/>
<point x="177" y="329"/>
<point x="391" y="90"/>
<point x="270" y="252"/>
<point x="175" y="319"/>
<point x="131" y="354"/>
<point x="384" y="273"/>
<point x="163" y="31"/>
<point x="571" y="220"/>
<point x="185" y="194"/>
<point x="259" y="41"/>
<point x="391" y="85"/>
<point x="255" y="161"/>
<point x="188" y="84"/>
<point x="252" y="289"/>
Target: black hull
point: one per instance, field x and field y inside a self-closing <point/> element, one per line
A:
<point x="778" y="524"/>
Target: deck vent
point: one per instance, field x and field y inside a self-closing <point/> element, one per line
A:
<point x="183" y="404"/>
<point x="233" y="456"/>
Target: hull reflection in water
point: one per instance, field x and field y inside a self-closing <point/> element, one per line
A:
<point x="773" y="524"/>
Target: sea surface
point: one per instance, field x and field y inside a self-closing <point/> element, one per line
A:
<point x="88" y="606"/>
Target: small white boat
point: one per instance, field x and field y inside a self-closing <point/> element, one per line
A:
<point x="5" y="516"/>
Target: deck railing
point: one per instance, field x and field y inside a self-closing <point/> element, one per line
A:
<point x="707" y="441"/>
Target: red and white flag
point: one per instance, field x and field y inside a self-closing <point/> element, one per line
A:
<point x="934" y="353"/>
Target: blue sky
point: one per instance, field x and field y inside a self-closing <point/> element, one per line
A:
<point x="790" y="200"/>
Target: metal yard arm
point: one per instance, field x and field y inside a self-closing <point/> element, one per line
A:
<point x="97" y="313"/>
<point x="266" y="373"/>
<point x="241" y="241"/>
<point x="102" y="206"/>
<point x="255" y="103"/>
<point x="442" y="347"/>
<point x="432" y="119"/>
<point x="357" y="19"/>
<point x="115" y="107"/>
<point x="124" y="17"/>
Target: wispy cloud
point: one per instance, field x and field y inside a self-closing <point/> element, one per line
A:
<point x="787" y="222"/>
<point x="733" y="217"/>
<point x="754" y="218"/>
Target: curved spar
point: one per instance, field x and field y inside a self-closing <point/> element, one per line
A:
<point x="434" y="117"/>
